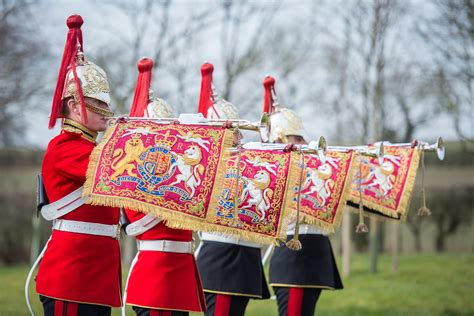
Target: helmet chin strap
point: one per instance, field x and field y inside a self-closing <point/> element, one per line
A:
<point x="98" y="110"/>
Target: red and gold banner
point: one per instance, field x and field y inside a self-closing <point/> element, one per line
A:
<point x="186" y="175"/>
<point x="167" y="170"/>
<point x="324" y="189"/>
<point x="261" y="198"/>
<point x="387" y="187"/>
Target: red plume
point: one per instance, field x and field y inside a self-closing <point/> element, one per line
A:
<point x="74" y="37"/>
<point x="206" y="89"/>
<point x="140" y="99"/>
<point x="269" y="85"/>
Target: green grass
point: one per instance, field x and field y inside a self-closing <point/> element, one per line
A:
<point x="428" y="284"/>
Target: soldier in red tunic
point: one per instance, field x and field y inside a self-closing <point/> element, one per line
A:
<point x="80" y="270"/>
<point x="164" y="279"/>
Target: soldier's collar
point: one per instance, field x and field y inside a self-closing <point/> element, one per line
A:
<point x="76" y="127"/>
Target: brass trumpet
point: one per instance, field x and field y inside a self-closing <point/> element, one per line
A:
<point x="320" y="148"/>
<point x="439" y="146"/>
<point x="263" y="126"/>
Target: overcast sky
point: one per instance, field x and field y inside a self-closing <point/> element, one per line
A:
<point x="52" y="26"/>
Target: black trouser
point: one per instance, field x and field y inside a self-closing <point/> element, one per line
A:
<point x="154" y="312"/>
<point x="230" y="305"/>
<point x="304" y="305"/>
<point x="54" y="307"/>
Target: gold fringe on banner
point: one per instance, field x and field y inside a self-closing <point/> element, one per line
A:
<point x="402" y="211"/>
<point x="94" y="161"/>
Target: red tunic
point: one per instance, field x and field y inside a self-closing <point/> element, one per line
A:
<point x="165" y="280"/>
<point x="78" y="267"/>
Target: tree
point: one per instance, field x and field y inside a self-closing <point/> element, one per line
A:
<point x="21" y="61"/>
<point x="450" y="33"/>
<point x="448" y="218"/>
<point x="155" y="32"/>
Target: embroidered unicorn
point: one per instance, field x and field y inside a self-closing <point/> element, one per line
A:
<point x="258" y="192"/>
<point x="190" y="168"/>
<point x="382" y="175"/>
<point x="319" y="181"/>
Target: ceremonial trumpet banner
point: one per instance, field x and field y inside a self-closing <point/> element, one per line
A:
<point x="325" y="188"/>
<point x="178" y="172"/>
<point x="386" y="187"/>
<point x="258" y="189"/>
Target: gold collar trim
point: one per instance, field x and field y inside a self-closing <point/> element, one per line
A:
<point x="76" y="127"/>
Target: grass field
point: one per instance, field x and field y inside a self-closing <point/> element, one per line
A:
<point x="428" y="284"/>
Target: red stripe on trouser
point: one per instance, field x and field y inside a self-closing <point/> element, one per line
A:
<point x="154" y="313"/>
<point x="295" y="301"/>
<point x="58" y="308"/>
<point x="222" y="307"/>
<point x="62" y="308"/>
<point x="71" y="309"/>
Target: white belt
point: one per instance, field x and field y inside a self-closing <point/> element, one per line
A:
<point x="229" y="240"/>
<point x="88" y="228"/>
<point x="306" y="229"/>
<point x="64" y="205"/>
<point x="144" y="224"/>
<point x="165" y="246"/>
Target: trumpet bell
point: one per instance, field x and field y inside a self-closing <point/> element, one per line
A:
<point x="440" y="148"/>
<point x="379" y="153"/>
<point x="320" y="147"/>
<point x="264" y="128"/>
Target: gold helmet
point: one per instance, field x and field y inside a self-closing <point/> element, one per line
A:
<point x="78" y="77"/>
<point x="210" y="104"/>
<point x="144" y="104"/>
<point x="158" y="108"/>
<point x="92" y="78"/>
<point x="222" y="109"/>
<point x="283" y="121"/>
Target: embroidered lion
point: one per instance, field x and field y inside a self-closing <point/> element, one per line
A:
<point x="190" y="168"/>
<point x="123" y="161"/>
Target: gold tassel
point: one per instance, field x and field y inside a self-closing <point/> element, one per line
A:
<point x="294" y="243"/>
<point x="361" y="227"/>
<point x="236" y="221"/>
<point x="423" y="210"/>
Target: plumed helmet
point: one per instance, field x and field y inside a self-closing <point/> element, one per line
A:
<point x="93" y="82"/>
<point x="158" y="108"/>
<point x="222" y="109"/>
<point x="78" y="77"/>
<point x="210" y="104"/>
<point x="285" y="122"/>
<point x="144" y="103"/>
